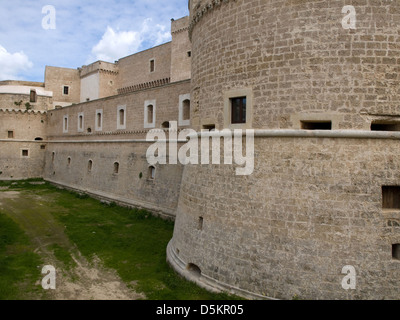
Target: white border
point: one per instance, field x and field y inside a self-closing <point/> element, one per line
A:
<point x="65" y="127"/>
<point x="147" y="124"/>
<point x="119" y="126"/>
<point x="81" y="129"/>
<point x="98" y="128"/>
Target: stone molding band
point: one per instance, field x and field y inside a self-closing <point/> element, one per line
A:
<point x="282" y="133"/>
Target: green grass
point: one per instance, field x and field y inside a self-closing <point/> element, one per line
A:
<point x="18" y="263"/>
<point x="63" y="255"/>
<point x="130" y="241"/>
<point x="133" y="242"/>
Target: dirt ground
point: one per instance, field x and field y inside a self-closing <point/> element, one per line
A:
<point x="84" y="281"/>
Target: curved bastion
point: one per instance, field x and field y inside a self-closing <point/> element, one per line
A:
<point x="319" y="218"/>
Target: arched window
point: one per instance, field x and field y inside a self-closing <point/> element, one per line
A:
<point x="121" y="117"/>
<point x="38" y="139"/>
<point x="65" y="125"/>
<point x="165" y="125"/>
<point x="194" y="269"/>
<point x="99" y="120"/>
<point x="80" y="122"/>
<point x="152" y="173"/>
<point x="90" y="165"/>
<point x="150" y="113"/>
<point x="69" y="161"/>
<point x="116" y="167"/>
<point x="186" y="110"/>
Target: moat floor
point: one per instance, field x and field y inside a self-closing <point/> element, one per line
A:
<point x="100" y="251"/>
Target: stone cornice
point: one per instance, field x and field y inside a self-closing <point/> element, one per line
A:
<point x="105" y="71"/>
<point x="202" y="11"/>
<point x="34" y="112"/>
<point x="180" y="30"/>
<point x="146" y="85"/>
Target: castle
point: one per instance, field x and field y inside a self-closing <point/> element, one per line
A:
<point x="324" y="104"/>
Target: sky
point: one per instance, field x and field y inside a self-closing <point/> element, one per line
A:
<point x="73" y="33"/>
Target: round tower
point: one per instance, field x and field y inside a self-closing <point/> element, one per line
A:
<point x="318" y="218"/>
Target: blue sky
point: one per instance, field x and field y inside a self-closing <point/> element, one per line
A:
<point x="86" y="31"/>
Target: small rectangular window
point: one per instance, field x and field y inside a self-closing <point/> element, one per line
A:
<point x="200" y="223"/>
<point x="189" y="54"/>
<point x="209" y="127"/>
<point x="316" y="125"/>
<point x="66" y="90"/>
<point x="33" y="97"/>
<point x="10" y="134"/>
<point x="25" y="153"/>
<point x="388" y="126"/>
<point x="396" y="251"/>
<point x="238" y="106"/>
<point x="391" y="197"/>
<point x="152" y="65"/>
<point x="186" y="110"/>
<point x="65" y="124"/>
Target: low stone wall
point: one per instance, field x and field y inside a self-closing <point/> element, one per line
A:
<point x="67" y="164"/>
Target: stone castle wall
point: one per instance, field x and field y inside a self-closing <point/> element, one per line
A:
<point x="68" y="153"/>
<point x="181" y="50"/>
<point x="314" y="203"/>
<point x="135" y="69"/>
<point x="131" y="186"/>
<point x="8" y="100"/>
<point x="165" y="100"/>
<point x="26" y="126"/>
<point x="55" y="80"/>
<point x="311" y="207"/>
<point x="297" y="60"/>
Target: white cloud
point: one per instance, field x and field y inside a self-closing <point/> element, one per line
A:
<point x="114" y="45"/>
<point x="118" y="44"/>
<point x="12" y="64"/>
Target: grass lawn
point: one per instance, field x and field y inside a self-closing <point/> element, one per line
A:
<point x="19" y="265"/>
<point x="61" y="223"/>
